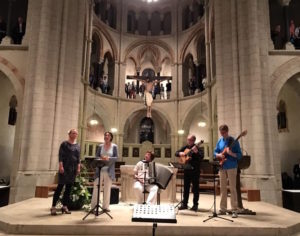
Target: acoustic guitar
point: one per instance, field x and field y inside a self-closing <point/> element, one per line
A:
<point x="229" y="147"/>
<point x="188" y="153"/>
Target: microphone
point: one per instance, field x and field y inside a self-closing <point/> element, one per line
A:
<point x="145" y="165"/>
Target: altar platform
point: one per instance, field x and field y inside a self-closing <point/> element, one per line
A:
<point x="32" y="217"/>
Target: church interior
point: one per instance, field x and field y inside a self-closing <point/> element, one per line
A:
<point x="87" y="65"/>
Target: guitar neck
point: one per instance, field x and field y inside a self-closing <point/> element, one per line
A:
<point x="234" y="142"/>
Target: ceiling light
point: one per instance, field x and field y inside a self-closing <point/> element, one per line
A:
<point x="114" y="130"/>
<point x="93" y="121"/>
<point x="181" y="131"/>
<point x="202" y="124"/>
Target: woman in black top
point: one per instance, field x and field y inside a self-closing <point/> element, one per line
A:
<point x="69" y="167"/>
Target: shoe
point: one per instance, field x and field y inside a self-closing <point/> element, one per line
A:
<point x="222" y="212"/>
<point x="182" y="207"/>
<point x="194" y="208"/>
<point x="53" y="211"/>
<point x="65" y="210"/>
<point x="234" y="214"/>
<point x="106" y="210"/>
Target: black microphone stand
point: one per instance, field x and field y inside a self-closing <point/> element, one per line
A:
<point x="144" y="184"/>
<point x="215" y="215"/>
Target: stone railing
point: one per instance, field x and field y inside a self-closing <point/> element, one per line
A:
<point x="133" y="152"/>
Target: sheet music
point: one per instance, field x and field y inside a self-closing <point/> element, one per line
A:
<point x="154" y="213"/>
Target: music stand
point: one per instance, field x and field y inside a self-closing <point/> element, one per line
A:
<point x="98" y="163"/>
<point x="181" y="167"/>
<point x="215" y="164"/>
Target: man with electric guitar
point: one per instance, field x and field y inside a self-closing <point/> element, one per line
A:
<point x="228" y="152"/>
<point x="191" y="155"/>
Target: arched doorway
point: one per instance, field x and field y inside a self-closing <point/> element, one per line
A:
<point x="108" y="74"/>
<point x="188" y="76"/>
<point x="146" y="130"/>
<point x="288" y="116"/>
<point x="7" y="125"/>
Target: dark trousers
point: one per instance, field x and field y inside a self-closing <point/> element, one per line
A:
<point x="66" y="197"/>
<point x="191" y="177"/>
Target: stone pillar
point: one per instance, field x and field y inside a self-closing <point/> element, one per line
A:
<point x="176" y="19"/>
<point x="174" y="145"/>
<point x="120" y="146"/>
<point x="149" y="24"/>
<point x="116" y="79"/>
<point x="179" y="81"/>
<point x="162" y="18"/>
<point x="124" y="11"/>
<point x="191" y="12"/>
<point x="243" y="88"/>
<point x="136" y="25"/>
<point x="122" y="80"/>
<point x="119" y="16"/>
<point x="87" y="52"/>
<point x="51" y="92"/>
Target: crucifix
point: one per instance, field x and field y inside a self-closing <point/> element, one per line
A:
<point x="148" y="79"/>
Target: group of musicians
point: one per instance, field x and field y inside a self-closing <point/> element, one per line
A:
<point x="69" y="167"/>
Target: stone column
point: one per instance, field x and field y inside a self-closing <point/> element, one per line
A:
<point x="162" y="17"/>
<point x="208" y="79"/>
<point x="174" y="145"/>
<point x="149" y="24"/>
<point x="51" y="92"/>
<point x="122" y="80"/>
<point x="116" y="79"/>
<point x="88" y="42"/>
<point x="124" y="18"/>
<point x="120" y="145"/>
<point x="176" y="19"/>
<point x="179" y="81"/>
<point x="243" y="88"/>
<point x="191" y="12"/>
<point x="136" y="24"/>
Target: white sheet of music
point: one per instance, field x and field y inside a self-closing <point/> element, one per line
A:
<point x="154" y="211"/>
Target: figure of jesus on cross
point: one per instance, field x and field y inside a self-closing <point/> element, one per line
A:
<point x="148" y="99"/>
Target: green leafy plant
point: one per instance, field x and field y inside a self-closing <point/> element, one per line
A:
<point x="80" y="196"/>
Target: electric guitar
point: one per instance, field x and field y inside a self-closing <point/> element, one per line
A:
<point x="188" y="153"/>
<point x="229" y="147"/>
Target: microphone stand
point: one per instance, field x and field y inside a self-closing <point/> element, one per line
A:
<point x="144" y="184"/>
<point x="215" y="215"/>
<point x="95" y="209"/>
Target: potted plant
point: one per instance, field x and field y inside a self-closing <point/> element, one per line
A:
<point x="80" y="196"/>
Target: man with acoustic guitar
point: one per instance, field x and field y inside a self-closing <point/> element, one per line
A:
<point x="228" y="152"/>
<point x="192" y="155"/>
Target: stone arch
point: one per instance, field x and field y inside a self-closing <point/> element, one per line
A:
<point x="163" y="114"/>
<point x="100" y="109"/>
<point x="100" y="41"/>
<point x="162" y="126"/>
<point x="134" y="61"/>
<point x="189" y="114"/>
<point x="14" y="76"/>
<point x="184" y="51"/>
<point x="100" y="29"/>
<point x="284" y="72"/>
<point x="188" y="72"/>
<point x="152" y="42"/>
